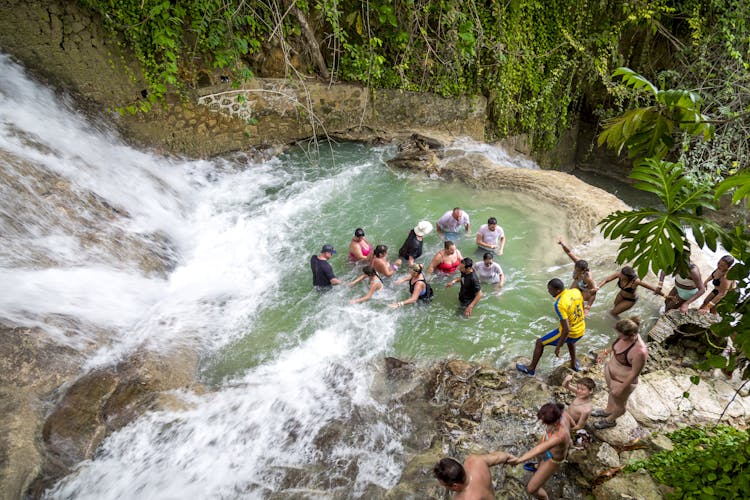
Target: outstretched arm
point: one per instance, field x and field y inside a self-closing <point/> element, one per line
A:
<point x="358" y="279"/>
<point x="374" y="287"/>
<point x="490" y="459"/>
<point x="608" y="279"/>
<point x="567" y="249"/>
<point x="648" y="287"/>
<point x="539" y="449"/>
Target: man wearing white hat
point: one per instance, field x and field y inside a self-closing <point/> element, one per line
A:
<point x="412" y="247"/>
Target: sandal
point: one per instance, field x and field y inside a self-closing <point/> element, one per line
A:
<point x="529" y="466"/>
<point x="604" y="424"/>
<point x="600" y="413"/>
<point x="524" y="369"/>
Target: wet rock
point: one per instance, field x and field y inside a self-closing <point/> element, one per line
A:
<point x="32" y="366"/>
<point x="103" y="401"/>
<point x="395" y="367"/>
<point x="675" y="323"/>
<point x="74" y="430"/>
<point x="584" y="204"/>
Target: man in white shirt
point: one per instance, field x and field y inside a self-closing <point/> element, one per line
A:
<point x="491" y="237"/>
<point x="449" y="225"/>
<point x="490" y="271"/>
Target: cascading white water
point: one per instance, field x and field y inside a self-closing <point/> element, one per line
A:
<point x="121" y="249"/>
<point x="233" y="232"/>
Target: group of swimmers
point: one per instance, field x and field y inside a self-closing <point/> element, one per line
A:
<point x="490" y="239"/>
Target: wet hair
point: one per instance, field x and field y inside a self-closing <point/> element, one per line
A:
<point x="582" y="265"/>
<point x="416" y="268"/>
<point x="359" y="232"/>
<point x="588" y="382"/>
<point x="369" y="271"/>
<point x="728" y="260"/>
<point x="556" y="284"/>
<point x="629" y="326"/>
<point x="467" y="262"/>
<point x="491" y="220"/>
<point x="487" y="255"/>
<point x="628" y="272"/>
<point x="550" y="413"/>
<point x="449" y="471"/>
<point x="447" y="244"/>
<point x="380" y="250"/>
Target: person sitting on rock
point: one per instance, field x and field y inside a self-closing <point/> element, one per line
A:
<point x="580" y="409"/>
<point x="473" y="479"/>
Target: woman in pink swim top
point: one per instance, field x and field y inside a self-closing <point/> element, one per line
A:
<point x="446" y="260"/>
<point x="359" y="248"/>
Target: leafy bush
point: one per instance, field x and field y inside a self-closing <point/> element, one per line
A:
<point x="705" y="463"/>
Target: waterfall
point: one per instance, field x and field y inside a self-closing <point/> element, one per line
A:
<point x="108" y="249"/>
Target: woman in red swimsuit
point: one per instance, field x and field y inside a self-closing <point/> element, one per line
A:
<point x="359" y="248"/>
<point x="629" y="354"/>
<point x="446" y="260"/>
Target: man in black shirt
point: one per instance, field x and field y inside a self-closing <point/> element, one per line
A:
<point x="471" y="289"/>
<point x="323" y="277"/>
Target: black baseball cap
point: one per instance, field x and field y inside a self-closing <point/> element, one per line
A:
<point x="359" y="232"/>
<point x="328" y="249"/>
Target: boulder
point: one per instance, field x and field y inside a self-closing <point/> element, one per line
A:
<point x="627" y="486"/>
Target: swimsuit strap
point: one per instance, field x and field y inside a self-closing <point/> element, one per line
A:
<point x="624" y="361"/>
<point x="626" y="289"/>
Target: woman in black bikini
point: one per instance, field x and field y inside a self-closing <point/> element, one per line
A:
<point x="720" y="282"/>
<point x="419" y="290"/>
<point x="627" y="282"/>
<point x="629" y="354"/>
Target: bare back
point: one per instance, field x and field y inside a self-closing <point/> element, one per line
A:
<point x="480" y="480"/>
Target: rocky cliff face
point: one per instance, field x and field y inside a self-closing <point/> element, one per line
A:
<point x="62" y="43"/>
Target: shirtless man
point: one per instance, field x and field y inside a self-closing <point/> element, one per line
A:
<point x="472" y="480"/>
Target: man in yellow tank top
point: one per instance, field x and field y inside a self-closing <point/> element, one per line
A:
<point x="568" y="307"/>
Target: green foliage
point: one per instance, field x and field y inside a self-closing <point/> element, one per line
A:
<point x="169" y="37"/>
<point x="705" y="463"/>
<point x="654" y="238"/>
<point x="650" y="131"/>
